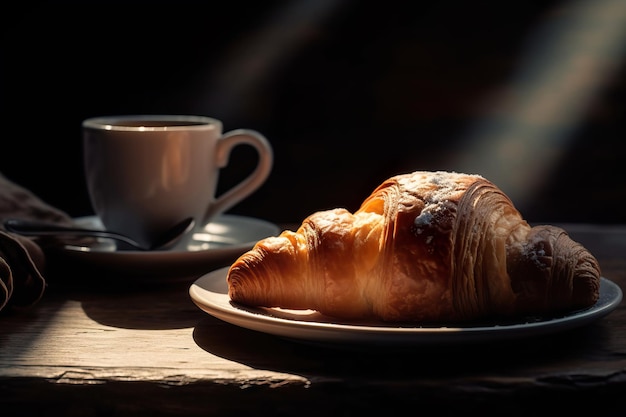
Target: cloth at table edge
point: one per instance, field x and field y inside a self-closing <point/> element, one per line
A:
<point x="22" y="260"/>
<point x="21" y="279"/>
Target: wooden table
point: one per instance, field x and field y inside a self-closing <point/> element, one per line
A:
<point x="109" y="351"/>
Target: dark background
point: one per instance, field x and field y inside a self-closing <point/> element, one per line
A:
<point x="348" y="93"/>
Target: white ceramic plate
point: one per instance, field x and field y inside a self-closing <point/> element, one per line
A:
<point x="215" y="245"/>
<point x="210" y="294"/>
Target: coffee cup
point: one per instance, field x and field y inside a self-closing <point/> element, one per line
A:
<point x="147" y="173"/>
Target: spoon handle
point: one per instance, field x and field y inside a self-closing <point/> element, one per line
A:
<point x="34" y="227"/>
<point x="39" y="228"/>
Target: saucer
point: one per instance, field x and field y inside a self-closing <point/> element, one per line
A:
<point x="212" y="246"/>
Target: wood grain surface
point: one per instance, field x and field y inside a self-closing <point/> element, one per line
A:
<point x="98" y="350"/>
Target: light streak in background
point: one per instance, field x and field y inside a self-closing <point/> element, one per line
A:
<point x="258" y="56"/>
<point x="568" y="62"/>
<point x="520" y="141"/>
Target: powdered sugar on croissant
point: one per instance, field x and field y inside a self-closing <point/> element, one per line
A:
<point x="423" y="247"/>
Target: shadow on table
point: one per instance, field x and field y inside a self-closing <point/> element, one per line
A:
<point x="142" y="308"/>
<point x="265" y="351"/>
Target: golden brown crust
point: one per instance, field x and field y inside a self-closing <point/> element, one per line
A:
<point x="423" y="247"/>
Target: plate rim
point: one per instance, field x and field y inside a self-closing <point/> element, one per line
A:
<point x="326" y="332"/>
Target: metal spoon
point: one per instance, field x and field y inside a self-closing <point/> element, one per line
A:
<point x="36" y="228"/>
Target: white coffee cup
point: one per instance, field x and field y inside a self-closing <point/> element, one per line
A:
<point x="146" y="173"/>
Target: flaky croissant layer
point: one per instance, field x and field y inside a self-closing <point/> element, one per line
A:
<point x="423" y="247"/>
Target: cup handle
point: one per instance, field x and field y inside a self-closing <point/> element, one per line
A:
<point x="253" y="181"/>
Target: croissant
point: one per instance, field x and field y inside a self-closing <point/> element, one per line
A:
<point x="423" y="247"/>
